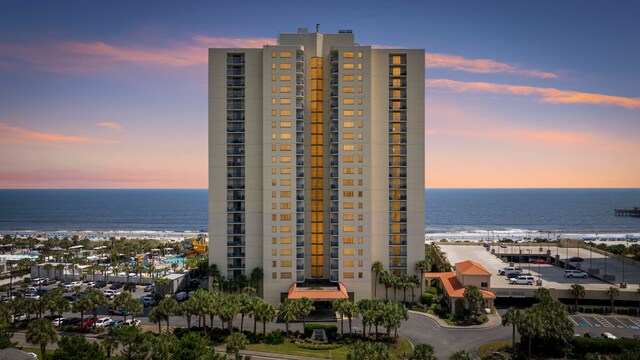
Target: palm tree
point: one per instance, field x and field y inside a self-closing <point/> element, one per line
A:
<point x="613" y="292"/>
<point x="385" y="278"/>
<point x="130" y="287"/>
<point x="256" y="277"/>
<point x="338" y="306"/>
<point x="244" y="303"/>
<point x="473" y="296"/>
<point x="95" y="299"/>
<point x="253" y="311"/>
<point x="212" y="303"/>
<point x="42" y="332"/>
<point x="512" y="317"/>
<point x="265" y="313"/>
<point x="529" y="324"/>
<point x="461" y="355"/>
<point x="166" y="308"/>
<point x="81" y="306"/>
<point x="109" y="344"/>
<point x="227" y="311"/>
<point x="377" y="267"/>
<point x="188" y="309"/>
<point x="288" y="312"/>
<point x="423" y="352"/>
<point x="423" y="266"/>
<point x="235" y="343"/>
<point x="55" y="302"/>
<point x="305" y="307"/>
<point x="155" y="317"/>
<point x="60" y="268"/>
<point x="577" y="291"/>
<point x="121" y="301"/>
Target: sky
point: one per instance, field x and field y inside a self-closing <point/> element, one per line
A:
<point x="113" y="94"/>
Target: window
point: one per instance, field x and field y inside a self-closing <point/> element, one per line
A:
<point x="347" y="77"/>
<point x="347" y="240"/>
<point x="348" y="101"/>
<point x="484" y="284"/>
<point x="285" y="206"/>
<point x="285" y="66"/>
<point x="348" y="159"/>
<point x="359" y="275"/>
<point x="285" y="77"/>
<point x="360" y="54"/>
<point x="348" y="66"/>
<point x="347" y="124"/>
<point x="348" y="252"/>
<point x="347" y="275"/>
<point x="285" y="101"/>
<point x="347" y="89"/>
<point x="285" y="171"/>
<point x="285" y="147"/>
<point x="273" y="124"/>
<point x="348" y="182"/>
<point x="285" y="194"/>
<point x="285" y="275"/>
<point x="273" y="66"/>
<point x="348" y="263"/>
<point x="348" y="136"/>
<point x="285" y="54"/>
<point x="273" y="78"/>
<point x="348" y="113"/>
<point x="273" y="55"/>
<point x="285" y="136"/>
<point x="285" y="252"/>
<point x="273" y="89"/>
<point x="274" y="275"/>
<point x="348" y="205"/>
<point x="348" y="170"/>
<point x="347" y="147"/>
<point x="348" y="228"/>
<point x="347" y="54"/>
<point x="360" y="66"/>
<point x="285" y="124"/>
<point x="285" y="240"/>
<point x="348" y="217"/>
<point x="285" y="263"/>
<point x="348" y="194"/>
<point x="285" y="89"/>
<point x="285" y="159"/>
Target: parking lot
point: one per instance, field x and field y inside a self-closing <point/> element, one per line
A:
<point x="552" y="277"/>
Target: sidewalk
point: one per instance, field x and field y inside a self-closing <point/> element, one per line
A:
<point x="222" y="350"/>
<point x="493" y="321"/>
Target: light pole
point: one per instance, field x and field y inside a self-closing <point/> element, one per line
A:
<point x="529" y="250"/>
<point x="539" y="261"/>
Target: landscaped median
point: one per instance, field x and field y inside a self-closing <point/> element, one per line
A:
<point x="402" y="347"/>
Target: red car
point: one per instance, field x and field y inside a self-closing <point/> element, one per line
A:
<point x="538" y="261"/>
<point x="89" y="322"/>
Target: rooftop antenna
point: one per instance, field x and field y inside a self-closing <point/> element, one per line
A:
<point x="317" y="28"/>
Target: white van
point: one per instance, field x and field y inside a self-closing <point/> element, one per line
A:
<point x="522" y="280"/>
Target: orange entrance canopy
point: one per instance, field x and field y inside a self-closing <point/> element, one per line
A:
<point x="320" y="294"/>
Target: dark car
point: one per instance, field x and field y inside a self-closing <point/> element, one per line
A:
<point x="591" y="335"/>
<point x="71" y="321"/>
<point x="52" y="317"/>
<point x="100" y="285"/>
<point x="116" y="286"/>
<point x="158" y="297"/>
<point x="117" y="311"/>
<point x="576" y="259"/>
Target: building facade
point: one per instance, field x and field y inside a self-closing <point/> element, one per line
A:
<point x="316" y="162"/>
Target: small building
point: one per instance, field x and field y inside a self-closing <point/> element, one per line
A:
<point x="453" y="284"/>
<point x="175" y="283"/>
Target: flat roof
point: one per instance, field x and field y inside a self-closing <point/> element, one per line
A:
<point x="296" y="292"/>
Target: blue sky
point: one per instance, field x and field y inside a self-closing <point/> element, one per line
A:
<point x="138" y="67"/>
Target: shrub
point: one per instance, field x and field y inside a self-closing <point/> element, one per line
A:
<point x="583" y="346"/>
<point x="330" y="330"/>
<point x="431" y="290"/>
<point x="427" y="298"/>
<point x="275" y="337"/>
<point x="310" y="346"/>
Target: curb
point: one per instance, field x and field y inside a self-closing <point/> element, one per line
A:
<point x="439" y="322"/>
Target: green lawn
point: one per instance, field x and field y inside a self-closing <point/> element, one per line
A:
<point x="339" y="353"/>
<point x="485" y="350"/>
<point x="36" y="350"/>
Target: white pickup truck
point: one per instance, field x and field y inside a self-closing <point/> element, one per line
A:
<point x="510" y="270"/>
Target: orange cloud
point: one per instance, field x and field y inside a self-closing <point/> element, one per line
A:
<point x="9" y="133"/>
<point x="531" y="135"/>
<point x="549" y="95"/>
<point x="111" y="125"/>
<point x="482" y="66"/>
<point x="222" y="42"/>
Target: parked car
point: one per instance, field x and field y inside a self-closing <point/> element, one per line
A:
<point x="37" y="281"/>
<point x="33" y="296"/>
<point x="19" y="317"/>
<point x="509" y="270"/>
<point x="608" y="335"/>
<point x="99" y="284"/>
<point x="147" y="301"/>
<point x="32" y="289"/>
<point x="180" y="296"/>
<point x="89" y="322"/>
<point x="59" y="321"/>
<point x="76" y="283"/>
<point x="522" y="280"/>
<point x="116" y="324"/>
<point x="71" y="321"/>
<point x="576" y="259"/>
<point x="538" y="261"/>
<point x="116" y="286"/>
<point x="111" y="293"/>
<point x="503" y="246"/>
<point x="52" y="317"/>
<point x="575" y="274"/>
<point x="149" y="288"/>
<point x="591" y="335"/>
<point x="130" y="322"/>
<point x="117" y="311"/>
<point x="91" y="284"/>
<point x="103" y="322"/>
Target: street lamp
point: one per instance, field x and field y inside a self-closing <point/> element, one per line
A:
<point x="529" y="250"/>
<point x="539" y="261"/>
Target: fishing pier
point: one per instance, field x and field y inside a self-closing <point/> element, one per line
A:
<point x="634" y="211"/>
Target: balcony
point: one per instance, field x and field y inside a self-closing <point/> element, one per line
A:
<point x="401" y="242"/>
<point x="299" y="267"/>
<point x="333" y="59"/>
<point x="299" y="70"/>
<point x="334" y="70"/>
<point x="300" y="82"/>
<point x="235" y="163"/>
<point x="300" y="174"/>
<point x="232" y="61"/>
<point x="235" y="83"/>
<point x="299" y="243"/>
<point x="300" y="58"/>
<point x="235" y="118"/>
<point x="235" y="72"/>
<point x="235" y="254"/>
<point x="334" y="105"/>
<point x="235" y="129"/>
<point x="235" y="266"/>
<point x="235" y="209"/>
<point x="235" y="106"/>
<point x="235" y="243"/>
<point x="334" y="243"/>
<point x="300" y="255"/>
<point x="235" y="95"/>
<point x="398" y="107"/>
<point x="300" y="209"/>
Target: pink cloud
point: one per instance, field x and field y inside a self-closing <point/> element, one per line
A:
<point x="223" y="42"/>
<point x="549" y="95"/>
<point x="482" y="66"/>
<point x="13" y="133"/>
<point x="557" y="137"/>
<point x="111" y="125"/>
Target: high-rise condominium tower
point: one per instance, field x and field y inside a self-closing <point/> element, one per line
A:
<point x="316" y="164"/>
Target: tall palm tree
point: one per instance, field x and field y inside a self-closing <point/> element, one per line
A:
<point x="288" y="312"/>
<point x="166" y="308"/>
<point x="42" y="332"/>
<point x="385" y="278"/>
<point x="95" y="299"/>
<point x="377" y="268"/>
<point x="473" y="295"/>
<point x="188" y="309"/>
<point x="350" y="310"/>
<point x="305" y="307"/>
<point x="244" y="302"/>
<point x="613" y="292"/>
<point x="423" y="266"/>
<point x="511" y="317"/>
<point x="227" y="311"/>
<point x="338" y="306"/>
<point x="577" y="291"/>
<point x="121" y="301"/>
<point x="265" y="313"/>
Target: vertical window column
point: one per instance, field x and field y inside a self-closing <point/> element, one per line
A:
<point x="317" y="193"/>
<point x="398" y="163"/>
<point x="334" y="168"/>
<point x="300" y="166"/>
<point x="235" y="165"/>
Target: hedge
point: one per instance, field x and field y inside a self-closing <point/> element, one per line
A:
<point x="330" y="330"/>
<point x="582" y="346"/>
<point x="309" y="346"/>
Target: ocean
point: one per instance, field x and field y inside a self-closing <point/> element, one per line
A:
<point x="514" y="211"/>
